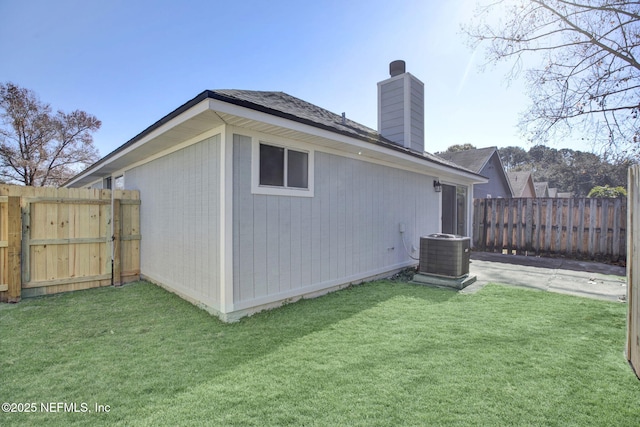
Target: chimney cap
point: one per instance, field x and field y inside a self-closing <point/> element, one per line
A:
<point x="397" y="67"/>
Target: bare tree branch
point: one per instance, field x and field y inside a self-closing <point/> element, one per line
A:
<point x="588" y="77"/>
<point x="37" y="147"/>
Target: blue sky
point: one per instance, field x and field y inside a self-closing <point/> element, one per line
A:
<point x="131" y="62"/>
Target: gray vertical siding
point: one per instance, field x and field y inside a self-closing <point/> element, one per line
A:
<point x="497" y="185"/>
<point x="417" y="115"/>
<point x="350" y="229"/>
<point x="392" y="111"/>
<point x="180" y="219"/>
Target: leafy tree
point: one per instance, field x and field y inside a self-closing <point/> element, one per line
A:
<point x="541" y="155"/>
<point x="587" y="74"/>
<point x="606" y="191"/>
<point x="460" y="147"/>
<point x="514" y="157"/>
<point x="37" y="147"/>
<point x="566" y="169"/>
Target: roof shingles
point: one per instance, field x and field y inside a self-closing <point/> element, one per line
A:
<point x="286" y="106"/>
<point x="280" y="103"/>
<point x="473" y="160"/>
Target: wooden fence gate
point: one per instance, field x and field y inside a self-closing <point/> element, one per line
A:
<point x="57" y="240"/>
<point x="592" y="228"/>
<point x="633" y="270"/>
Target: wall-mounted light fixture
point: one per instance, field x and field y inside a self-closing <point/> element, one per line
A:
<point x="437" y="186"/>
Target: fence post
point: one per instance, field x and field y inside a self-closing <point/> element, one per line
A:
<point x="479" y="226"/>
<point x="593" y="214"/>
<point x="633" y="266"/>
<point x="570" y="233"/>
<point x="500" y="225"/>
<point x="615" y="249"/>
<point x="581" y="248"/>
<point x="117" y="266"/>
<point x="558" y="225"/>
<point x="510" y="208"/>
<point x="491" y="232"/>
<point x="528" y="225"/>
<point x="14" y="249"/>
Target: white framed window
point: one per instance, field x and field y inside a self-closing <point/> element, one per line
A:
<point x="281" y="169"/>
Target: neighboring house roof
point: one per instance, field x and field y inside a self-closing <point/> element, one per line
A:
<point x="553" y="192"/>
<point x="520" y="182"/>
<point x="542" y="189"/>
<point x="477" y="160"/>
<point x="474" y="160"/>
<point x="217" y="107"/>
<point x="565" y="195"/>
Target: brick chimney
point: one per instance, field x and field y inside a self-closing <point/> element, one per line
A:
<point x="401" y="108"/>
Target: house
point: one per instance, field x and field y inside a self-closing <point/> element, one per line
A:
<point x="542" y="189"/>
<point x="251" y="199"/>
<point x="485" y="162"/>
<point x="522" y="184"/>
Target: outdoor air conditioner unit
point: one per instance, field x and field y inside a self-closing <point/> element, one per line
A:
<point x="445" y="255"/>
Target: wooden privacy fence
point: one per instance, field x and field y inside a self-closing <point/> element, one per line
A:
<point x="56" y="240"/>
<point x="633" y="270"/>
<point x="593" y="228"/>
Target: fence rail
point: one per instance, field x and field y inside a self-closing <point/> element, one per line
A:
<point x="57" y="240"/>
<point x="593" y="228"/>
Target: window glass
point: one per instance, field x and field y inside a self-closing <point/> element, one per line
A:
<point x="461" y="210"/>
<point x="119" y="182"/>
<point x="271" y="165"/>
<point x="297" y="168"/>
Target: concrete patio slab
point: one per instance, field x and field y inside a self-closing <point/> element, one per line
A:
<point x="579" y="278"/>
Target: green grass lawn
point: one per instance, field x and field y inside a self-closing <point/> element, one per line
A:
<point x="383" y="353"/>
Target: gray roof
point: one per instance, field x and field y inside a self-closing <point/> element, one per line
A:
<point x="280" y="103"/>
<point x="289" y="107"/>
<point x="519" y="180"/>
<point x="474" y="159"/>
<point x="542" y="189"/>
